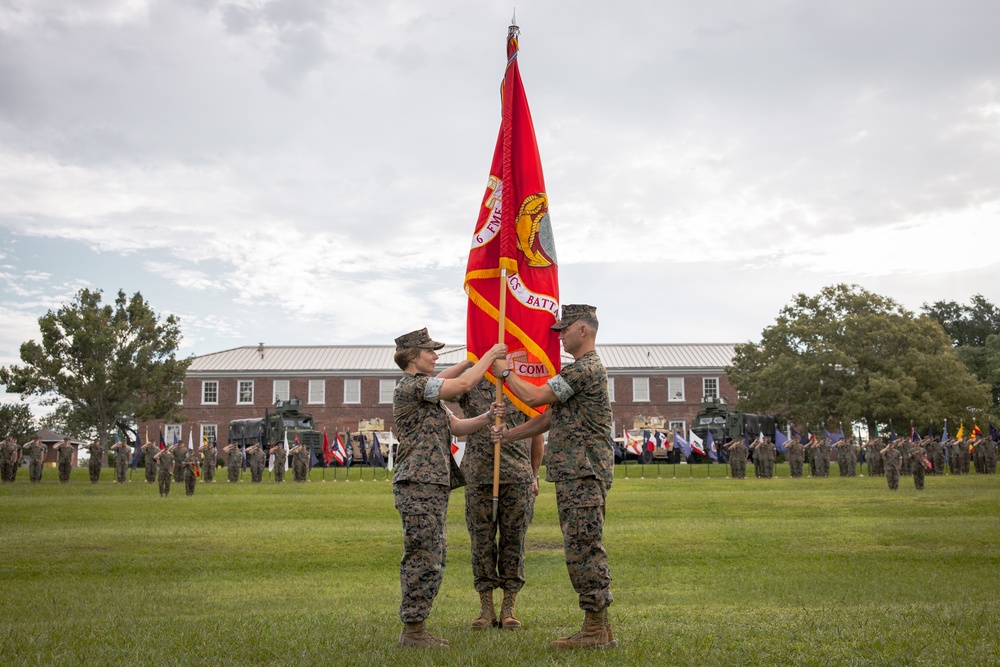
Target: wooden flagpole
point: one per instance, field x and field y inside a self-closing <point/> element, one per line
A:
<point x="499" y="394"/>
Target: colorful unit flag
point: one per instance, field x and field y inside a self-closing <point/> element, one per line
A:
<point x="514" y="233"/>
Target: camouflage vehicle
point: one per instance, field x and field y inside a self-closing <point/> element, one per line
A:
<point x="271" y="429"/>
<point x="368" y="429"/>
<point x="727" y="423"/>
<point x="658" y="429"/>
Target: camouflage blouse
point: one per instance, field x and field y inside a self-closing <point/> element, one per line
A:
<point x="424" y="453"/>
<point x="477" y="463"/>
<point x="580" y="434"/>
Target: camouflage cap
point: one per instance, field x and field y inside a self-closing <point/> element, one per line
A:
<point x="572" y="312"/>
<point x="419" y="338"/>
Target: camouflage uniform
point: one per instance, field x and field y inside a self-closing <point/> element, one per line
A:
<point x="496" y="563"/>
<point x="96" y="461"/>
<point x="122" y="455"/>
<point x="209" y="461"/>
<point x="989" y="455"/>
<point x="796" y="456"/>
<point x="179" y="454"/>
<point x="234" y="462"/>
<point x="876" y="464"/>
<point x="823" y="457"/>
<point x="64" y="454"/>
<point x="280" y="458"/>
<point x="738" y="460"/>
<point x="425" y="473"/>
<point x="580" y="461"/>
<point x="904" y="450"/>
<point x="164" y="469"/>
<point x="256" y="462"/>
<point x="9" y="451"/>
<point x="300" y="463"/>
<point x="893" y="463"/>
<point x="768" y="457"/>
<point x="190" y="465"/>
<point x="149" y="450"/>
<point x="36" y="452"/>
<point x="917" y="466"/>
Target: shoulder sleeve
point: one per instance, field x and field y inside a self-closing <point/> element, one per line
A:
<point x="432" y="389"/>
<point x="561" y="388"/>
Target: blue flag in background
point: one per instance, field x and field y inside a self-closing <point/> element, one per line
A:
<point x="682" y="444"/>
<point x="376" y="455"/>
<point x="803" y="440"/>
<point x="710" y="446"/>
<point x="136" y="455"/>
<point x="944" y="433"/>
<point x="780" y="440"/>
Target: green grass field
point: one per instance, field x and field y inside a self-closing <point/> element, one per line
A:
<point x="707" y="571"/>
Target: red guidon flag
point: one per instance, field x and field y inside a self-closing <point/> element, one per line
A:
<point x="514" y="232"/>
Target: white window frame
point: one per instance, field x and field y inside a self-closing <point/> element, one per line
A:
<point x="611" y="389"/>
<point x="211" y="430"/>
<point x="275" y="392"/>
<point x="205" y="384"/>
<point x="640" y="390"/>
<point x="386" y="389"/>
<point x="680" y="425"/>
<point x="352" y="391"/>
<point x="168" y="430"/>
<point x="671" y="391"/>
<point x="183" y="392"/>
<point x="704" y="387"/>
<point x="319" y="397"/>
<point x="239" y="392"/>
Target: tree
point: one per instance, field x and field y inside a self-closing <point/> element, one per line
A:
<point x="971" y="328"/>
<point x="848" y="354"/>
<point x="63" y="419"/>
<point x="112" y="364"/>
<point x="16" y="420"/>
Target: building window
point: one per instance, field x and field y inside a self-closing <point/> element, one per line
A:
<point x="171" y="434"/>
<point x="182" y="390"/>
<point x="209" y="433"/>
<point x="640" y="390"/>
<point x="675" y="389"/>
<point x="386" y="388"/>
<point x="352" y="391"/>
<point x="611" y="389"/>
<point x="280" y="391"/>
<point x="709" y="388"/>
<point x="317" y="391"/>
<point x="210" y="392"/>
<point x="678" y="426"/>
<point x="244" y="392"/>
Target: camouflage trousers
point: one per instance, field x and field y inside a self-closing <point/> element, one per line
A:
<point x="179" y="471"/>
<point x="423" y="509"/>
<point x="279" y="472"/>
<point x="498" y="546"/>
<point x="150" y="473"/>
<point x="300" y="470"/>
<point x="64" y="469"/>
<point x="35" y="470"/>
<point x="189" y="480"/>
<point x="892" y="477"/>
<point x="581" y="517"/>
<point x="738" y="468"/>
<point x="234" y="473"/>
<point x="256" y="474"/>
<point x="795" y="467"/>
<point x="918" y="476"/>
<point x="207" y="472"/>
<point x="120" y="472"/>
<point x="164" y="479"/>
<point x="95" y="472"/>
<point x="7" y="471"/>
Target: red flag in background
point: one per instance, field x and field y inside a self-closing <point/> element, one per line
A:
<point x="514" y="232"/>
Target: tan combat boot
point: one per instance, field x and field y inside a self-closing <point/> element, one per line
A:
<point x="595" y="633"/>
<point x="507" y="620"/>
<point x="487" y="614"/>
<point x="414" y="635"/>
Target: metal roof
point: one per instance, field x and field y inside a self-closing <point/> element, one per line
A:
<point x="343" y="359"/>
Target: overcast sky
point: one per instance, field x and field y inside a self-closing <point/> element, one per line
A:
<point x="310" y="171"/>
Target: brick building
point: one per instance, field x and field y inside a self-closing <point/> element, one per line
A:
<point x="343" y="384"/>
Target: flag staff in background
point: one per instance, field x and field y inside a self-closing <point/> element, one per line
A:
<point x="513" y="251"/>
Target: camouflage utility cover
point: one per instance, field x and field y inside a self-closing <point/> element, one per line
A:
<point x="580" y="434"/>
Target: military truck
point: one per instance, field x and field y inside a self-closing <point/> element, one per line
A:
<point x="369" y="428"/>
<point x="271" y="429"/>
<point x="727" y="423"/>
<point x="655" y="425"/>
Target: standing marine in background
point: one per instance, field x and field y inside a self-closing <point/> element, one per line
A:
<point x="122" y="455"/>
<point x="234" y="461"/>
<point x="255" y="459"/>
<point x="64" y="459"/>
<point x="280" y="460"/>
<point x="36" y="455"/>
<point x="893" y="463"/>
<point x="96" y="460"/>
<point x="498" y="545"/>
<point x="164" y="469"/>
<point x="209" y="461"/>
<point x="191" y="461"/>
<point x="149" y="452"/>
